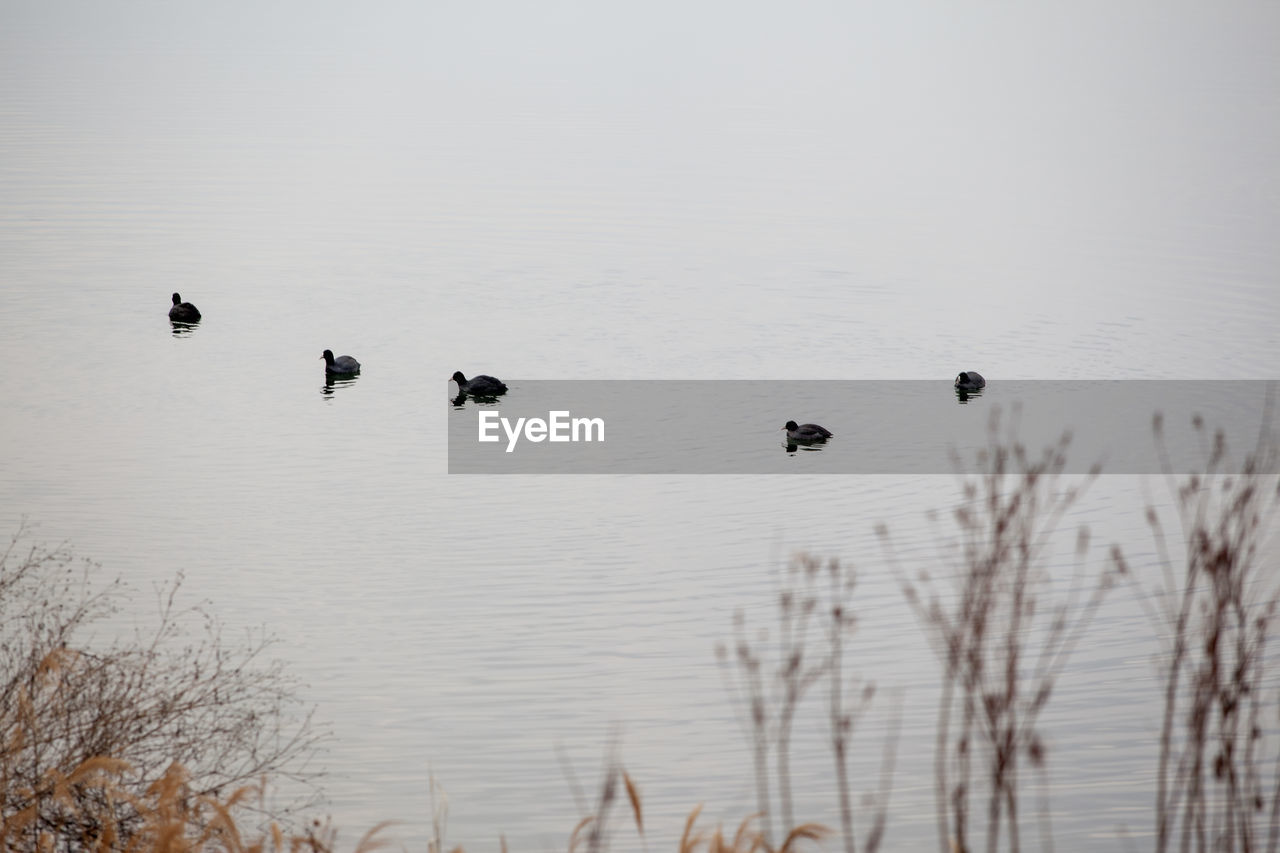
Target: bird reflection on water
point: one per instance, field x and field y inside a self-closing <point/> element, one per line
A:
<point x="332" y="382"/>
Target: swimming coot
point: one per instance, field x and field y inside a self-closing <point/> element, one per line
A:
<point x="970" y="380"/>
<point x="806" y="432"/>
<point x="481" y="386"/>
<point x="183" y="312"/>
<point x="343" y="365"/>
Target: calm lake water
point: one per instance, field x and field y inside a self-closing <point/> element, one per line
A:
<point x="569" y="193"/>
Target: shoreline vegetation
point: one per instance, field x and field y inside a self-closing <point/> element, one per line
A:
<point x="168" y="744"/>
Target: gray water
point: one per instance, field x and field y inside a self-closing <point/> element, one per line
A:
<point x="569" y="192"/>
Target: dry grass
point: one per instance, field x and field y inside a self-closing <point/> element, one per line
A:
<point x="171" y="817"/>
<point x="747" y="839"/>
<point x="168" y="817"/>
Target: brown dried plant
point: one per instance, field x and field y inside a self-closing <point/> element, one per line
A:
<point x="747" y="838"/>
<point x="169" y="816"/>
<point x="68" y="703"/>
<point x="1218" y="774"/>
<point x="770" y="678"/>
<point x="593" y="829"/>
<point x="999" y="664"/>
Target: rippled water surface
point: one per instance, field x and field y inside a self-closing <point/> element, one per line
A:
<point x="563" y="193"/>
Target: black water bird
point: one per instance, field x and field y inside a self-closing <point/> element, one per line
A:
<point x="806" y="432"/>
<point x="970" y="380"/>
<point x="343" y="365"/>
<point x="183" y="312"/>
<point x="479" y="386"/>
